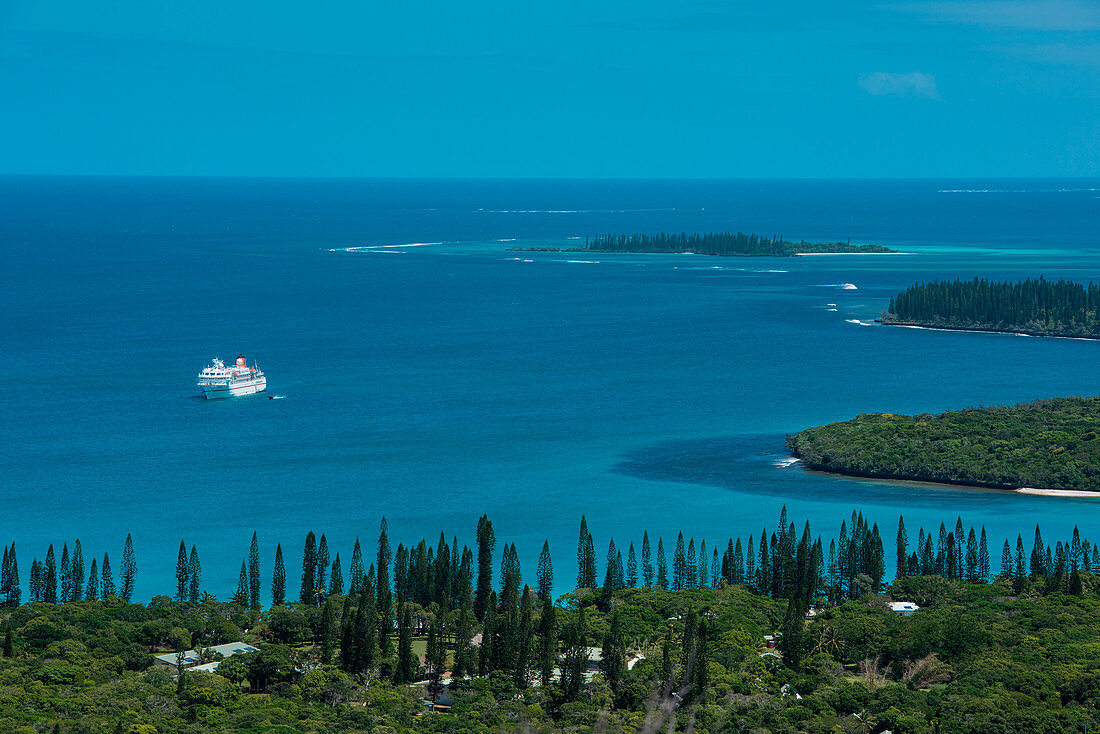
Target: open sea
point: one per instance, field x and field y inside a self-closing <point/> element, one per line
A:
<point x="431" y="375"/>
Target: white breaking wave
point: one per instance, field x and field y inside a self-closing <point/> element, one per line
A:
<point x="785" y="462"/>
<point x="1014" y="191"/>
<point x="507" y="239"/>
<point x="574" y="238"/>
<point x="858" y="322"/>
<point x="830" y="309"/>
<point x="588" y="262"/>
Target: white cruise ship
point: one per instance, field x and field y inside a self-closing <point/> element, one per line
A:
<point x="219" y="381"/>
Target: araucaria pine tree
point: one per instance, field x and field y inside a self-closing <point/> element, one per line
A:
<point x="902" y="552"/>
<point x="194" y="576"/>
<point x="586" y="558"/>
<point x="93" y="582"/>
<point x="383" y="598"/>
<point x="336" y="578"/>
<point x="309" y="569"/>
<point x="129" y="569"/>
<point x="240" y="598"/>
<point x="662" y="565"/>
<point x="486" y="541"/>
<point x="183" y="573"/>
<point x="76" y="571"/>
<point x="631" y="567"/>
<point x="647" y="561"/>
<point x="107" y="579"/>
<point x="545" y="576"/>
<point x="321" y="571"/>
<point x="355" y="570"/>
<point x="278" y="579"/>
<point x="49" y="594"/>
<point x="66" y="575"/>
<point x="254" y="573"/>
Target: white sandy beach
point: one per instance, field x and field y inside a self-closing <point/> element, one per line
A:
<point x="1057" y="492"/>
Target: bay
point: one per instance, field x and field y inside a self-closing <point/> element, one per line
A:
<point x="437" y="382"/>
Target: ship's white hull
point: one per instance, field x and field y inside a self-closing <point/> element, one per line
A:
<point x="211" y="392"/>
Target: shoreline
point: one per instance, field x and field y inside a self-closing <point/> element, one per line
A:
<point x="978" y="330"/>
<point x="1056" y="492"/>
<point x="821" y="254"/>
<point x="1035" y="491"/>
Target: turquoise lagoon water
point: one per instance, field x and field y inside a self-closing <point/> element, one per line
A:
<point x="437" y="382"/>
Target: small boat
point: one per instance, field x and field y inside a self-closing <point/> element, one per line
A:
<point x="219" y="381"/>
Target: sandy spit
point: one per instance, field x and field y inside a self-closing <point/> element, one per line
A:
<point x="1057" y="492"/>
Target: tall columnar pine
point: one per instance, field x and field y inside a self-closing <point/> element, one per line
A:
<point x="679" y="564"/>
<point x="983" y="557"/>
<point x="254" y="573"/>
<point x="92" y="593"/>
<point x="1037" y="558"/>
<point x="5" y="576"/>
<point x="662" y="565"/>
<point x="194" y="576"/>
<point x="182" y="573"/>
<point x="320" y="574"/>
<point x="545" y="576"/>
<point x="631" y="567"/>
<point x="50" y="590"/>
<point x="1007" y="565"/>
<point x="610" y="582"/>
<point x="442" y="583"/>
<point x="76" y="570"/>
<point x="1019" y="575"/>
<point x="355" y="570"/>
<point x="37" y="582"/>
<point x="11" y="592"/>
<point x="65" y="574"/>
<point x="703" y="566"/>
<point x="306" y="592"/>
<point x="383" y="598"/>
<point x="129" y="569"/>
<point x="336" y="578"/>
<point x="691" y="567"/>
<point x="586" y="558"/>
<point x="647" y="561"/>
<point x="902" y="552"/>
<point x="107" y="579"/>
<point x="486" y="542"/>
<point x="715" y="570"/>
<point x="738" y="563"/>
<point x="278" y="578"/>
<point x="240" y="597"/>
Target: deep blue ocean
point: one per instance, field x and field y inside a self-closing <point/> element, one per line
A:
<point x="436" y="382"/>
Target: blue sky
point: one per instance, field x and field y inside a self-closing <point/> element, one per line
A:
<point x="787" y="88"/>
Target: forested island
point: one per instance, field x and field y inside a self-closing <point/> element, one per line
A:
<point x="1048" y="443"/>
<point x="788" y="631"/>
<point x="730" y="244"/>
<point x="1036" y="307"/>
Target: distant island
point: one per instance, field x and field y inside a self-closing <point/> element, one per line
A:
<point x="1050" y="444"/>
<point x="1035" y="307"/>
<point x="729" y="244"/>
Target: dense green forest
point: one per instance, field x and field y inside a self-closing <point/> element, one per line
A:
<point x="721" y="243"/>
<point x="654" y="648"/>
<point x="1047" y="443"/>
<point x="1039" y="307"/>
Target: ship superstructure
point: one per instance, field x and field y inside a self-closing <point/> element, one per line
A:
<point x="219" y="381"/>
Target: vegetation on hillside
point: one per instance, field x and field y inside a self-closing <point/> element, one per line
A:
<point x="1048" y="443"/>
<point x="1061" y="308"/>
<point x="1011" y="654"/>
<point x="721" y="243"/>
